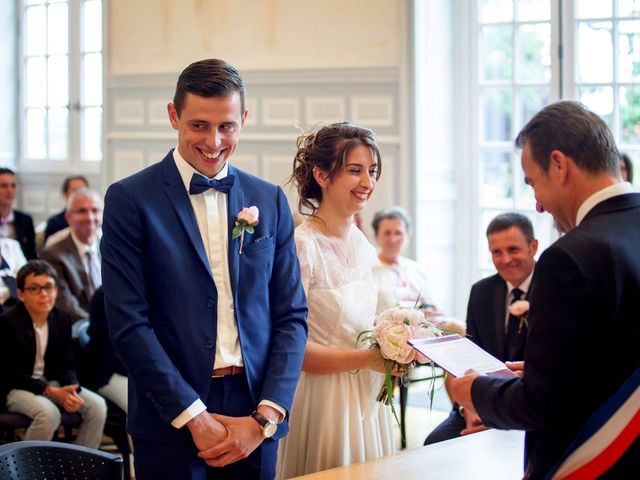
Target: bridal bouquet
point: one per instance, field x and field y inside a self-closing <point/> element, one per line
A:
<point x="392" y="330"/>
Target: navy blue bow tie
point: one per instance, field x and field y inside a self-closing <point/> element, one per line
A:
<point x="201" y="184"/>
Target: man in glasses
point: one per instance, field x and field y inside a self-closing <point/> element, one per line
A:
<point x="37" y="374"/>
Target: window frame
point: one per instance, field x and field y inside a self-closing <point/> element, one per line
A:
<point x="73" y="161"/>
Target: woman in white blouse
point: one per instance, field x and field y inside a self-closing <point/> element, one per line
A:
<point x="400" y="280"/>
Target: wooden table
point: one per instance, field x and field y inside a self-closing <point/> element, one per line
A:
<point x="491" y="455"/>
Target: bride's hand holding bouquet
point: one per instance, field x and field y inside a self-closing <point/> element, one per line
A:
<point x="392" y="330"/>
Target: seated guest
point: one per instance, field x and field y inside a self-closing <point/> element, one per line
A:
<point x="11" y="260"/>
<point x="57" y="222"/>
<point x="77" y="258"/>
<point x="107" y="374"/>
<point x="400" y="280"/>
<point x="489" y="323"/>
<point x="626" y="168"/>
<point x="14" y="223"/>
<point x="36" y="361"/>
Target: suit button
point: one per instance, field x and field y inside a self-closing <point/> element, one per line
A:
<point x="211" y="303"/>
<point x="209" y="344"/>
<point x="148" y="394"/>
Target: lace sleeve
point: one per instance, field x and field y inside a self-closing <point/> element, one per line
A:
<point x="304" y="245"/>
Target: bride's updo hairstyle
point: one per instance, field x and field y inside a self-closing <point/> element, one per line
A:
<point x="327" y="149"/>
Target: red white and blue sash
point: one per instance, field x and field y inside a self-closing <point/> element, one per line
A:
<point x="609" y="432"/>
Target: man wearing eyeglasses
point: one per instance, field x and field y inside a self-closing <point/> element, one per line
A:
<point x="37" y="376"/>
<point x="76" y="258"/>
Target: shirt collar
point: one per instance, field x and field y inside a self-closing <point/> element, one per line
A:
<point x="600" y="196"/>
<point x="8" y="219"/>
<point x="186" y="170"/>
<point x="524" y="286"/>
<point x="83" y="248"/>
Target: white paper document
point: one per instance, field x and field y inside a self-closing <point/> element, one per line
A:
<point x="458" y="354"/>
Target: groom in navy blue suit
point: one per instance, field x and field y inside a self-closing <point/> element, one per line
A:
<point x="212" y="333"/>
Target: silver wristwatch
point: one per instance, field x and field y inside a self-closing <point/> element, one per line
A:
<point x="268" y="427"/>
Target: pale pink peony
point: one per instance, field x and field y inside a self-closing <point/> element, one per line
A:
<point x="392" y="340"/>
<point x="519" y="308"/>
<point x="249" y="215"/>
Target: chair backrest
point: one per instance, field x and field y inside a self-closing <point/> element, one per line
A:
<point x="52" y="461"/>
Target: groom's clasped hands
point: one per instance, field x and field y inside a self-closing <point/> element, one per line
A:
<point x="222" y="440"/>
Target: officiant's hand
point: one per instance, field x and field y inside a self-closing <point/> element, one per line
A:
<point x="516" y="367"/>
<point x="245" y="435"/>
<point x="473" y="421"/>
<point x="460" y="389"/>
<point x="206" y="431"/>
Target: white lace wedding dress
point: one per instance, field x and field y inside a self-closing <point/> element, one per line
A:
<point x="335" y="419"/>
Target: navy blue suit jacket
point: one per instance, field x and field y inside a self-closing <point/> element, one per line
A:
<point x="584" y="336"/>
<point x="486" y="317"/>
<point x="161" y="298"/>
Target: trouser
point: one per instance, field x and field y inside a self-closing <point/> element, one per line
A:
<point x="45" y="415"/>
<point x="172" y="460"/>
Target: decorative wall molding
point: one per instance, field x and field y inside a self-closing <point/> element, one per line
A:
<point x="138" y="132"/>
<point x="128" y="112"/>
<point x="356" y="76"/>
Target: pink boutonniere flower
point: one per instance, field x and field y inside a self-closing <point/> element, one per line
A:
<point x="246" y="220"/>
<point x="520" y="309"/>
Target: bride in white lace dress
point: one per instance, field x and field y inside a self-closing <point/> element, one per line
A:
<point x="335" y="419"/>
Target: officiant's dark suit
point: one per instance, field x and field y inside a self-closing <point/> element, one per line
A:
<point x="162" y="300"/>
<point x="584" y="333"/>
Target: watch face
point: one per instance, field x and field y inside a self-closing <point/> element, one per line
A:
<point x="269" y="430"/>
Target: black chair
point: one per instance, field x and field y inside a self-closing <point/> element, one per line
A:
<point x="53" y="461"/>
<point x="10" y="422"/>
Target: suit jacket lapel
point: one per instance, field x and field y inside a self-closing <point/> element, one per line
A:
<point x="78" y="267"/>
<point x="234" y="205"/>
<point x="499" y="315"/>
<point x="179" y="198"/>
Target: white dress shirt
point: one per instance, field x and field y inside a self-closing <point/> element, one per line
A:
<point x="7" y="229"/>
<point x="83" y="249"/>
<point x="210" y="208"/>
<point x="42" y="338"/>
<point x="11" y="252"/>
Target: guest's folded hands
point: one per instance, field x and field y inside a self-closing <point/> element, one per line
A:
<point x="66" y="397"/>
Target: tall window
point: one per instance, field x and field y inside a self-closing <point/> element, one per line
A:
<point x="61" y="82"/>
<point x="530" y="53"/>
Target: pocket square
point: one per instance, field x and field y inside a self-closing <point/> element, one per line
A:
<point x="259" y="239"/>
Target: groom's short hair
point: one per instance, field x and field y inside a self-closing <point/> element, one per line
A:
<point x="208" y="78"/>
